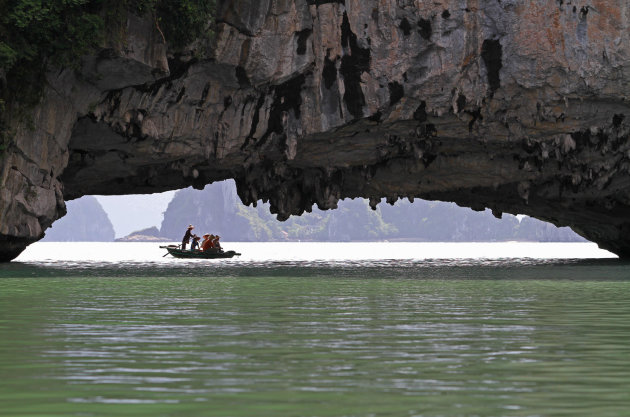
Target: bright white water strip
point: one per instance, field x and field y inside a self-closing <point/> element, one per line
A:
<point x="314" y="251"/>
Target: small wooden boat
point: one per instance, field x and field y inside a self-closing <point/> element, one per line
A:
<point x="175" y="251"/>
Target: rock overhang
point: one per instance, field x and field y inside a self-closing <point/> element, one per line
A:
<point x="308" y="102"/>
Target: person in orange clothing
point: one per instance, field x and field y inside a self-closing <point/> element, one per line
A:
<point x="207" y="242"/>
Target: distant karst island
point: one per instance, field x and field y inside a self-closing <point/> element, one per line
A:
<point x="217" y="209"/>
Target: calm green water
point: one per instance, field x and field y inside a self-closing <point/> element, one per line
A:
<point x="443" y="338"/>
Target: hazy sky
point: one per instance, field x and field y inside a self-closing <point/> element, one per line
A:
<point x="129" y="213"/>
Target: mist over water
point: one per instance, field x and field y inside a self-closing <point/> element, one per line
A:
<point x="316" y="330"/>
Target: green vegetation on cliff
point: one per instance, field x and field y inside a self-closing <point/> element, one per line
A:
<point x="38" y="34"/>
<point x="35" y="31"/>
<point x="60" y="31"/>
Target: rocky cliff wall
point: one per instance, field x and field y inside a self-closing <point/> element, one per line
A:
<point x="515" y="105"/>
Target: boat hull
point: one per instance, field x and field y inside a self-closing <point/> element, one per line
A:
<point x="197" y="254"/>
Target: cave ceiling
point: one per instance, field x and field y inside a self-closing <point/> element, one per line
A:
<point x="519" y="107"/>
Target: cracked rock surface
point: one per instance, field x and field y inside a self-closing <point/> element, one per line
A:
<point x="517" y="106"/>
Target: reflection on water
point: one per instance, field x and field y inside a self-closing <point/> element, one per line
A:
<point x="397" y="337"/>
<point x="515" y="268"/>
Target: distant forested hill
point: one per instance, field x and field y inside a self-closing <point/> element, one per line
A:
<point x="86" y="221"/>
<point x="218" y="210"/>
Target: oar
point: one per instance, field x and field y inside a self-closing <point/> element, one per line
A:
<point x="167" y="252"/>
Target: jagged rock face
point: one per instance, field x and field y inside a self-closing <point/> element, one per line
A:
<point x="513" y="105"/>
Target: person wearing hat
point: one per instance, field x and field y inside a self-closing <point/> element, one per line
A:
<point x="215" y="242"/>
<point x="187" y="236"/>
<point x="207" y="242"/>
<point x="195" y="242"/>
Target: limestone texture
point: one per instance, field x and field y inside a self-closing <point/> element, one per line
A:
<point x="520" y="106"/>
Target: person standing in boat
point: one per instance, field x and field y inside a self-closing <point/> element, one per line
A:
<point x="187" y="236"/>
